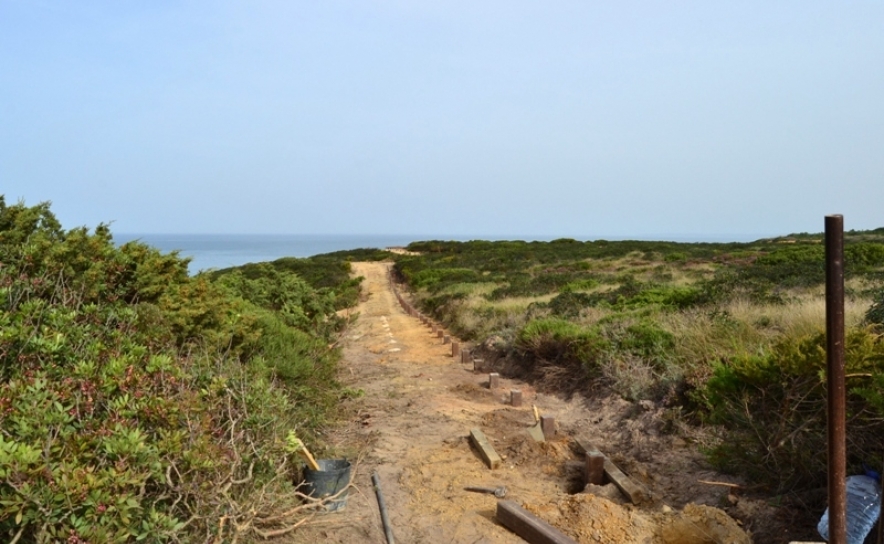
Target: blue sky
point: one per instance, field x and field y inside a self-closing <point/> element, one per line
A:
<point x="499" y="118"/>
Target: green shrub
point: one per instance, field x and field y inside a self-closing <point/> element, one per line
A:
<point x="138" y="403"/>
<point x="560" y="341"/>
<point x="569" y="303"/>
<point x="435" y="279"/>
<point x="875" y="314"/>
<point x="772" y="406"/>
<point x="667" y="296"/>
<point x="863" y="255"/>
<point x="648" y="341"/>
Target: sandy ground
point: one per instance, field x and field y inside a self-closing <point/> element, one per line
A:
<point x="412" y="426"/>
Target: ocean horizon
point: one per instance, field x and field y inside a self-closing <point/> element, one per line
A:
<point x="215" y="251"/>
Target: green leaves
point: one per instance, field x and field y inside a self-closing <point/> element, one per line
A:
<point x="131" y="393"/>
<point x="772" y="407"/>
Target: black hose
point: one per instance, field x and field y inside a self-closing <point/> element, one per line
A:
<point x="388" y="531"/>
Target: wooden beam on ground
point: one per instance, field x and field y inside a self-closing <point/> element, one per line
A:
<point x="528" y="526"/>
<point x="485" y="449"/>
<point x="633" y="491"/>
<point x="584" y="446"/>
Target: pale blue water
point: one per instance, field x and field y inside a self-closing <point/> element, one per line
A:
<point x="208" y="251"/>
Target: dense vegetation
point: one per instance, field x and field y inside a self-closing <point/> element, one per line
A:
<point x="139" y="403"/>
<point x="727" y="334"/>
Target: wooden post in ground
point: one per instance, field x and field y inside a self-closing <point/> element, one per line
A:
<point x="548" y="425"/>
<point x="493" y="380"/>
<point x="455" y="350"/>
<point x="595" y="468"/>
<point x="515" y="398"/>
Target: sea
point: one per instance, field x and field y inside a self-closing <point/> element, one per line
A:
<point x="215" y="251"/>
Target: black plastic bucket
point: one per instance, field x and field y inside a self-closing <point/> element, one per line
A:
<point x="333" y="476"/>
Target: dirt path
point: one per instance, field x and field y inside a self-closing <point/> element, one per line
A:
<point x="412" y="424"/>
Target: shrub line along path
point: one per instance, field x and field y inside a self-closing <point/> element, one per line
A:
<point x="412" y="426"/>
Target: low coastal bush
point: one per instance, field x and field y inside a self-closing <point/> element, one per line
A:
<point x="561" y="342"/>
<point x="138" y="403"/>
<point x="772" y="407"/>
<point x="875" y="314"/>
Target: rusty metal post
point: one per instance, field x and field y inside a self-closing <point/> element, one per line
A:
<point x="835" y="378"/>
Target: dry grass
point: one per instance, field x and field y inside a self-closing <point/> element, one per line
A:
<point x="629" y="376"/>
<point x="517" y="303"/>
<point x="742" y="327"/>
<point x="471" y="289"/>
<point x="801" y="317"/>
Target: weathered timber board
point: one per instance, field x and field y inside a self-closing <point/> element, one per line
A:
<point x="485" y="449"/>
<point x="528" y="526"/>
<point x="633" y="491"/>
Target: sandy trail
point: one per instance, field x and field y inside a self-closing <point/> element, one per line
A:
<point x="412" y="424"/>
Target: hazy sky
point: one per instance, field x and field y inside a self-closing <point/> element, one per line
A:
<point x="499" y="118"/>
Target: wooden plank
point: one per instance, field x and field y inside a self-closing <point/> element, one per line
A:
<point x="528" y="526"/>
<point x="633" y="491"/>
<point x="485" y="449"/>
<point x="584" y="446"/>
